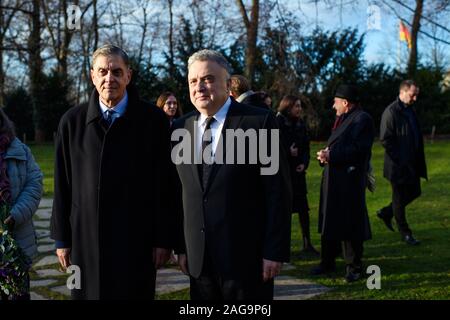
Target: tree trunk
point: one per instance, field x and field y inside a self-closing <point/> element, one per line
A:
<point x="35" y="66"/>
<point x="412" y="63"/>
<point x="171" y="54"/>
<point x="2" y="78"/>
<point x="251" y="26"/>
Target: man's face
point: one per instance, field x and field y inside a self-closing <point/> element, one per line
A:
<point x="208" y="86"/>
<point x="340" y="105"/>
<point x="409" y="96"/>
<point x="110" y="77"/>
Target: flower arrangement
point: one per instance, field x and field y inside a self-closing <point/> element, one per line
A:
<point x="14" y="263"/>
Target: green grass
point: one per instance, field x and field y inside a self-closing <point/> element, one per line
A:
<point x="44" y="155"/>
<point x="421" y="272"/>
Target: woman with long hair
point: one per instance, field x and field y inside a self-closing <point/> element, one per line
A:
<point x="170" y="105"/>
<point x="296" y="141"/>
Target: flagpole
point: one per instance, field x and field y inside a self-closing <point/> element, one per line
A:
<point x="398" y="51"/>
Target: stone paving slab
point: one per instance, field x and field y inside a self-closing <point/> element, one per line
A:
<point x="46" y="240"/>
<point x="62" y="289"/>
<point x="42" y="224"/>
<point x="48" y="260"/>
<point x="35" y="296"/>
<point x="290" y="288"/>
<point x="42" y="233"/>
<point x="44" y="214"/>
<point x="46" y="203"/>
<point x="170" y="280"/>
<point x="42" y="283"/>
<point x="46" y="248"/>
<point x="49" y="273"/>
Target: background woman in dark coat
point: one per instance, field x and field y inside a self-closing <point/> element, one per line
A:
<point x="296" y="141"/>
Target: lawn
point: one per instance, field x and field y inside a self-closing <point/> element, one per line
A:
<point x="421" y="272"/>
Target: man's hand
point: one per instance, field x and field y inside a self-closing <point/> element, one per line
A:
<point x="271" y="269"/>
<point x="323" y="155"/>
<point x="182" y="262"/>
<point x="64" y="257"/>
<point x="10" y="222"/>
<point x="294" y="150"/>
<point x="300" y="168"/>
<point x="160" y="257"/>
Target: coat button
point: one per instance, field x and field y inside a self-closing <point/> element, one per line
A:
<point x="202" y="230"/>
<point x="205" y="200"/>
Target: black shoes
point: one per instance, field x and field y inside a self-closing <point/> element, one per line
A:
<point x="353" y="274"/>
<point x="409" y="239"/>
<point x="387" y="220"/>
<point x="321" y="269"/>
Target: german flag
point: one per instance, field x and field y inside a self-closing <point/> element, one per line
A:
<point x="404" y="34"/>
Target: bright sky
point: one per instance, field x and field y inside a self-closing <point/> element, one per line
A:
<point x="382" y="44"/>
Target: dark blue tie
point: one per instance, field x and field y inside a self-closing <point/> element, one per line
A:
<point x="109" y="117"/>
<point x="206" y="169"/>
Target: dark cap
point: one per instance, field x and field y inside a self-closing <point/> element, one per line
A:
<point x="348" y="92"/>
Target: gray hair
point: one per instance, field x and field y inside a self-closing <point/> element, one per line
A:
<point x="210" y="55"/>
<point x="109" y="50"/>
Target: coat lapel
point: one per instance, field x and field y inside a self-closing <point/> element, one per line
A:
<point x="232" y="121"/>
<point x="191" y="124"/>
<point x="341" y="129"/>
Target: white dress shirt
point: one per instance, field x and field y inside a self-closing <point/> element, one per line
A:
<point x="216" y="127"/>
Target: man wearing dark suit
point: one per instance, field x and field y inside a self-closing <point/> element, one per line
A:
<point x="241" y="91"/>
<point x="343" y="218"/>
<point x="236" y="219"/>
<point x="404" y="158"/>
<point x="110" y="212"/>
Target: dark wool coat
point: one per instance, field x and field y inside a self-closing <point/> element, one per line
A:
<point x="295" y="132"/>
<point x="403" y="162"/>
<point x="111" y="191"/>
<point x="342" y="211"/>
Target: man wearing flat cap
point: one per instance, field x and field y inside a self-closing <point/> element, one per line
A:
<point x="343" y="219"/>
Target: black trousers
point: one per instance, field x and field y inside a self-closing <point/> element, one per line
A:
<point x="402" y="195"/>
<point x="211" y="286"/>
<point x="352" y="252"/>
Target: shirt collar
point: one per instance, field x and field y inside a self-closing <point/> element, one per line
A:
<point x="119" y="108"/>
<point x="244" y="95"/>
<point x="219" y="116"/>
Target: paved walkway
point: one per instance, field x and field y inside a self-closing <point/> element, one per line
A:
<point x="47" y="282"/>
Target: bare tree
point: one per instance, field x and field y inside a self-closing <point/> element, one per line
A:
<point x="251" y="25"/>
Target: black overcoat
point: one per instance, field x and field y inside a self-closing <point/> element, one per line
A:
<point x="110" y="201"/>
<point x="295" y="132"/>
<point x="242" y="216"/>
<point x="342" y="211"/>
<point x="403" y="161"/>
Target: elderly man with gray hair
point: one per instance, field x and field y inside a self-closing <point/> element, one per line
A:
<point x="236" y="220"/>
<point x="111" y="216"/>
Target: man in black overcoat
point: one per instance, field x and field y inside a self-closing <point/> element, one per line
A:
<point x="404" y="158"/>
<point x="110" y="212"/>
<point x="343" y="218"/>
<point x="236" y="215"/>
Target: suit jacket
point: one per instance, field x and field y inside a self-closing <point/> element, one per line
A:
<point x="242" y="216"/>
<point x="343" y="212"/>
<point x="403" y="162"/>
